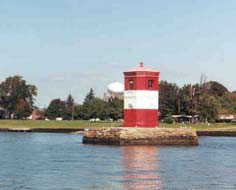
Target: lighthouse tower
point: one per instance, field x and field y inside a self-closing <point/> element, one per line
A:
<point x="141" y="97"/>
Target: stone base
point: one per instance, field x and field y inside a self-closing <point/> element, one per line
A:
<point x="140" y="136"/>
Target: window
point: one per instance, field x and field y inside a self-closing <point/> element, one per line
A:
<point x="131" y="84"/>
<point x="150" y="83"/>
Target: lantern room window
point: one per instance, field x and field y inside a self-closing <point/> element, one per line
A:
<point x="150" y="83"/>
<point x="131" y="84"/>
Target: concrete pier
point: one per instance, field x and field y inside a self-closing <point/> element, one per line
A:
<point x="140" y="136"/>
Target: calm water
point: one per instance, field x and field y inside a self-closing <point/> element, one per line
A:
<point x="61" y="161"/>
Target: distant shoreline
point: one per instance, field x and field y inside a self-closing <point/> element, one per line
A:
<point x="212" y="133"/>
<point x="42" y="130"/>
<point x="78" y="126"/>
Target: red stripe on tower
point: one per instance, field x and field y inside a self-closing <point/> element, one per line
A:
<point x="141" y="97"/>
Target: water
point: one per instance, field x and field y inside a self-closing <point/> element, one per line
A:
<point x="36" y="161"/>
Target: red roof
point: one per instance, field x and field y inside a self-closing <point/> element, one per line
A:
<point x="141" y="68"/>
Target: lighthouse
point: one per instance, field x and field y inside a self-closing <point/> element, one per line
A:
<point x="140" y="116"/>
<point x="141" y="97"/>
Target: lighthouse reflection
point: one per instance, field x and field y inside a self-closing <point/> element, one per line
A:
<point x="140" y="166"/>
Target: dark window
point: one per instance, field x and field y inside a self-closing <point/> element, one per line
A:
<point x="150" y="83"/>
<point x="131" y="84"/>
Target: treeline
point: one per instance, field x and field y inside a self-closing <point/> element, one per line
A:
<point x="92" y="107"/>
<point x="206" y="99"/>
<point x="17" y="101"/>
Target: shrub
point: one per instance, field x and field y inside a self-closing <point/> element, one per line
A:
<point x="168" y="120"/>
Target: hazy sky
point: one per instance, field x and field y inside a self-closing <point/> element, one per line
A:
<point x="68" y="46"/>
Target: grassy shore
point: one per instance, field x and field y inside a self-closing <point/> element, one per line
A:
<point x="54" y="124"/>
<point x="203" y="126"/>
<point x="86" y="124"/>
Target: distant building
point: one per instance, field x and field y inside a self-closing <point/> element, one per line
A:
<point x="185" y="118"/>
<point x="227" y="117"/>
<point x="36" y="115"/>
<point x="106" y="97"/>
<point x="114" y="90"/>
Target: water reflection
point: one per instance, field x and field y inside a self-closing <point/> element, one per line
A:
<point x="140" y="166"/>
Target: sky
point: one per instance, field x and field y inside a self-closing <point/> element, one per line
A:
<point x="70" y="46"/>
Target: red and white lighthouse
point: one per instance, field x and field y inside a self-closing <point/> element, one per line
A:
<point x="141" y="97"/>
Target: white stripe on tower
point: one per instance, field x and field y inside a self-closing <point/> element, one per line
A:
<point x="141" y="99"/>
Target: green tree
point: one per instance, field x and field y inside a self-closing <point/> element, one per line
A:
<point x="208" y="107"/>
<point x="185" y="99"/>
<point x="201" y="100"/>
<point x="13" y="92"/>
<point x="78" y="111"/>
<point x="56" y="108"/>
<point x="95" y="108"/>
<point x="89" y="96"/>
<point x="168" y="98"/>
<point x="227" y="103"/>
<point x="215" y="88"/>
<point x="23" y="109"/>
<point x="115" y="109"/>
<point x="189" y="99"/>
<point x="70" y="104"/>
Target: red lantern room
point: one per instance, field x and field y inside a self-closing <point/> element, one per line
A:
<point x="141" y="97"/>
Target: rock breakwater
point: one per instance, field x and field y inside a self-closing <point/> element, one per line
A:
<point x="140" y="136"/>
